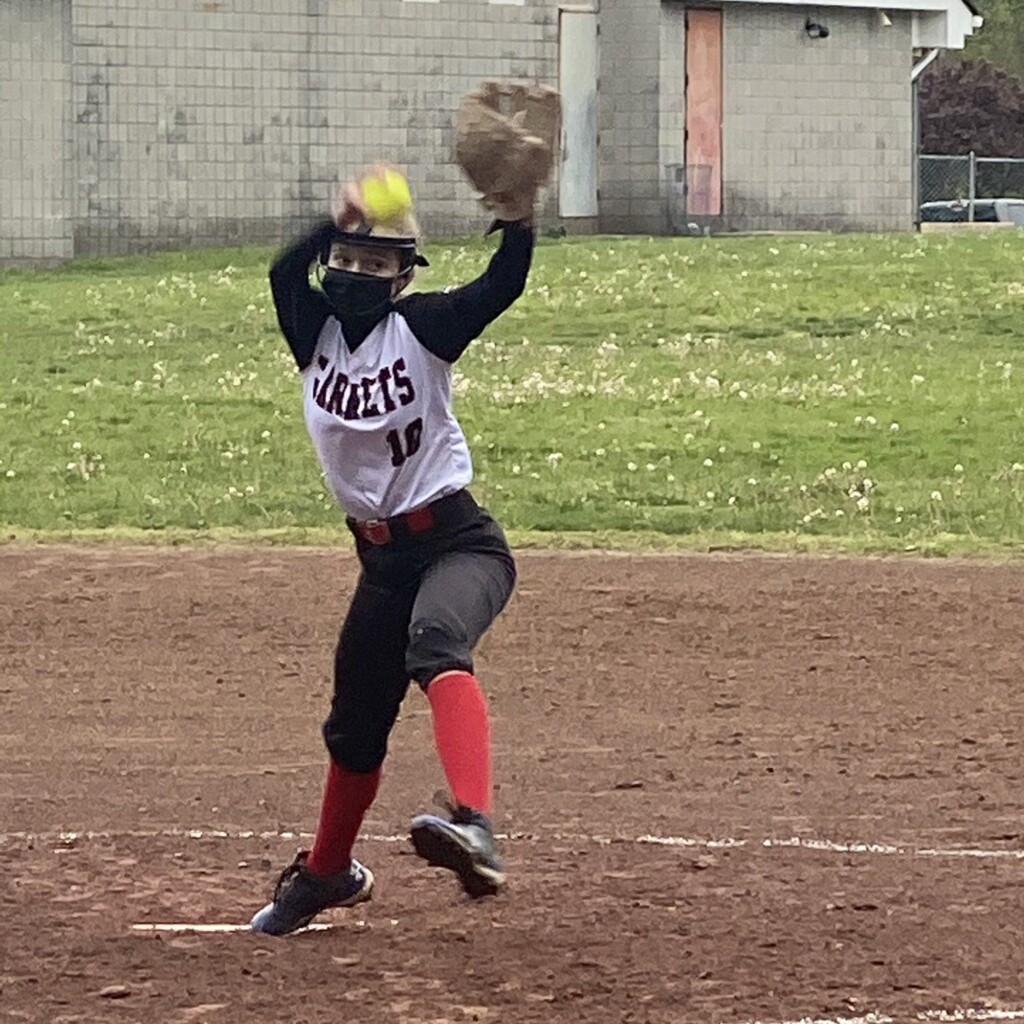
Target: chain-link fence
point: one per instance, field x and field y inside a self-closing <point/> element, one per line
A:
<point x="970" y="177"/>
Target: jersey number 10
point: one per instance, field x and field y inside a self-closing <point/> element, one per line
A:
<point x="413" y="434"/>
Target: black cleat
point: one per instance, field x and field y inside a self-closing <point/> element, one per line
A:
<point x="465" y="845"/>
<point x="301" y="895"/>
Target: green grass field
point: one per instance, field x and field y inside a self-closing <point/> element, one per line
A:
<point x="830" y="393"/>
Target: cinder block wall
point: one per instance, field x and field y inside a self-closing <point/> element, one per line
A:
<point x="212" y="122"/>
<point x="672" y="112"/>
<point x="35" y="129"/>
<point x="141" y="124"/>
<point x="628" y="100"/>
<point x="817" y="134"/>
<point x="221" y="121"/>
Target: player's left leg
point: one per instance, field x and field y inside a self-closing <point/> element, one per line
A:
<point x="458" y="599"/>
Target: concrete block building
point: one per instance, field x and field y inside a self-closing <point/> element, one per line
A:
<point x="129" y="125"/>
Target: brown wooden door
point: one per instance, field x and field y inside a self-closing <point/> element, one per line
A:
<point x="704" y="112"/>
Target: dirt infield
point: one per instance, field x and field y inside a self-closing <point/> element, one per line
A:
<point x="686" y="747"/>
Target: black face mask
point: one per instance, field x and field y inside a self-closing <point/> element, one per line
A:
<point x="357" y="295"/>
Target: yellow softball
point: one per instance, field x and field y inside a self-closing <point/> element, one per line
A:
<point x="386" y="196"/>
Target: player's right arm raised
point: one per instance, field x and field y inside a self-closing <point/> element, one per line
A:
<point x="301" y="309"/>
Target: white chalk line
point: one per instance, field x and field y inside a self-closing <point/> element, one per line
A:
<point x="955" y="1016"/>
<point x="929" y="1016"/>
<point x="940" y="1016"/>
<point x="68" y="839"/>
<point x="214" y="929"/>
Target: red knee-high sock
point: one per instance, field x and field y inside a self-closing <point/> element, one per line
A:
<point x="462" y="733"/>
<point x="347" y="797"/>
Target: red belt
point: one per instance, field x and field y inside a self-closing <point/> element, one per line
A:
<point x="384" y="531"/>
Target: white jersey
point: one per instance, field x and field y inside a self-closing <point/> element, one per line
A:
<point x="381" y="421"/>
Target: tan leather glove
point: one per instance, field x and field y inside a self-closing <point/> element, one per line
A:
<point x="506" y="141"/>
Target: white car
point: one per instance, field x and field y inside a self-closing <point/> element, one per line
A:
<point x="986" y="211"/>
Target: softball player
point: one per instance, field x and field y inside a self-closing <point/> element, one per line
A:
<point x="436" y="570"/>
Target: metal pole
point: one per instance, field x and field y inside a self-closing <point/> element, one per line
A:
<point x="915" y="185"/>
<point x="919" y="69"/>
<point x="972" y="183"/>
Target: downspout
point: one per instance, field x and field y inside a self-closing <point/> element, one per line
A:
<point x="919" y="68"/>
<point x="923" y="64"/>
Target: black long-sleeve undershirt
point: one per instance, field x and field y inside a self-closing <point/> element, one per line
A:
<point x="302" y="310"/>
<point x="444" y="322"/>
